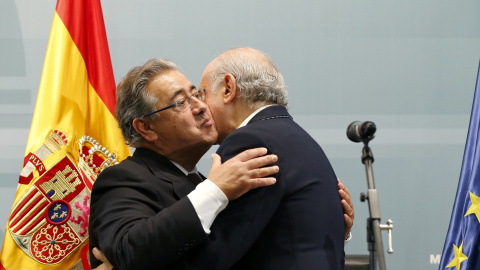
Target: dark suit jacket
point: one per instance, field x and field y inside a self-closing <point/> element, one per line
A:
<point x="297" y="223"/>
<point x="140" y="216"/>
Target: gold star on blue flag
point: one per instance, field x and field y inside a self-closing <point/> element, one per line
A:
<point x="474" y="207"/>
<point x="458" y="258"/>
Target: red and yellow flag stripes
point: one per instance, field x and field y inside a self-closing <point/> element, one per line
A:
<point x="73" y="137"/>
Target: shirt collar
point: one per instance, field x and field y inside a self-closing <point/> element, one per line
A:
<point x="183" y="169"/>
<point x="245" y="122"/>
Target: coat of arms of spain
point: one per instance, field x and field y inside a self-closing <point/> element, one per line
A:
<point x="50" y="220"/>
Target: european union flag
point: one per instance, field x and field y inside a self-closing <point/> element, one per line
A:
<point x="462" y="244"/>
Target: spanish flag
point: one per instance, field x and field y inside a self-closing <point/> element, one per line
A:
<point x="73" y="137"/>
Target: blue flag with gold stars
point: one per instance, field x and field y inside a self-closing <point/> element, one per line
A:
<point x="462" y="244"/>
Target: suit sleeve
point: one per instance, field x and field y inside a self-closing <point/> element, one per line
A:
<point x="135" y="227"/>
<point x="239" y="225"/>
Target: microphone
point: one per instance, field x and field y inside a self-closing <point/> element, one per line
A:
<point x="361" y="131"/>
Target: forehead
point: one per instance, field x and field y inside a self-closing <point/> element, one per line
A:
<point x="205" y="80"/>
<point x="169" y="83"/>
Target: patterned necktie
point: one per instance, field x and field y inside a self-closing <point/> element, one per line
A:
<point x="195" y="178"/>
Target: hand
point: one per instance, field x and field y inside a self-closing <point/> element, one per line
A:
<point x="347" y="204"/>
<point x="243" y="172"/>
<point x="101" y="257"/>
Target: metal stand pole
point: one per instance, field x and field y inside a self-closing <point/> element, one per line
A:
<point x="373" y="227"/>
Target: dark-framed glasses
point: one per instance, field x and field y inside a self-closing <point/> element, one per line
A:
<point x="182" y="103"/>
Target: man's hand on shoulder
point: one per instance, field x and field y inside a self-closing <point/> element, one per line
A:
<point x="347" y="204"/>
<point x="243" y="172"/>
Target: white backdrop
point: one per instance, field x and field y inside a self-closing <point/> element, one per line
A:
<point x="409" y="66"/>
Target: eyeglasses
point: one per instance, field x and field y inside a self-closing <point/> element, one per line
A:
<point x="181" y="104"/>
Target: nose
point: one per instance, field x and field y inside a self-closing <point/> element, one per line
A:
<point x="197" y="106"/>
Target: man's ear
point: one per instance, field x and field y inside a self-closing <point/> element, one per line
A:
<point x="230" y="88"/>
<point x="143" y="127"/>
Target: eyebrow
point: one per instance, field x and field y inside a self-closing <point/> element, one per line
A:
<point x="181" y="91"/>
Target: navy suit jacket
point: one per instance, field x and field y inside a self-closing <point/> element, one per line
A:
<point x="297" y="223"/>
<point x="140" y="216"/>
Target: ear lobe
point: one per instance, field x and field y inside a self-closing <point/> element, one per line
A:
<point x="144" y="128"/>
<point x="230" y="88"/>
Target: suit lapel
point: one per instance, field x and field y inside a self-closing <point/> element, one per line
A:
<point x="164" y="170"/>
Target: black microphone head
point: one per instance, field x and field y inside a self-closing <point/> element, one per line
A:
<point x="368" y="130"/>
<point x="353" y="132"/>
<point x="361" y="131"/>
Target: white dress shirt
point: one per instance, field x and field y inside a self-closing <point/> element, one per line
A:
<point x="207" y="199"/>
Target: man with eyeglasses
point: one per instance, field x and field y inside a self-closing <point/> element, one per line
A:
<point x="128" y="212"/>
<point x="147" y="211"/>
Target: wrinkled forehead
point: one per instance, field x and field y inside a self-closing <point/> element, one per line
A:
<point x="170" y="84"/>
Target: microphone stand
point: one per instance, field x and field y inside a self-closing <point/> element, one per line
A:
<point x="374" y="236"/>
<point x="364" y="132"/>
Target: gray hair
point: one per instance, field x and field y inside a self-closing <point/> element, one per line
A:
<point x="257" y="77"/>
<point x="133" y="100"/>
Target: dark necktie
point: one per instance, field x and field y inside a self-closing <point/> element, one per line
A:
<point x="195" y="178"/>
